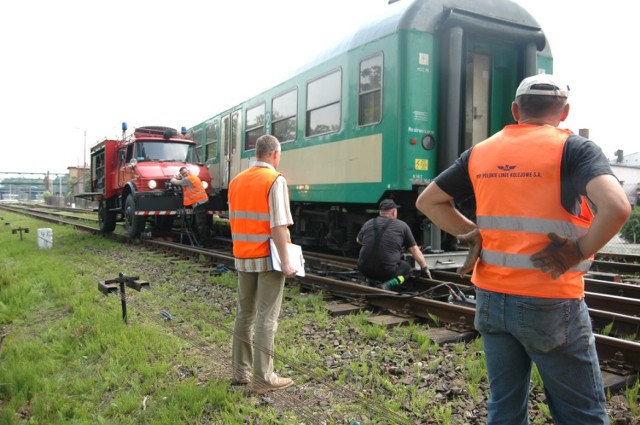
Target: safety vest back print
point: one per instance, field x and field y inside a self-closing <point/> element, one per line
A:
<point x="516" y="181"/>
<point x="194" y="193"/>
<point x="249" y="212"/>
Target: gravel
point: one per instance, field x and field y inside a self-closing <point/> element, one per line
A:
<point x="329" y="393"/>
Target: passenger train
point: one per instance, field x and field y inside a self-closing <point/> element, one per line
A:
<point x="380" y="114"/>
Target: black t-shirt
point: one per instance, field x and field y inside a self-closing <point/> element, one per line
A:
<point x="382" y="263"/>
<point x="582" y="160"/>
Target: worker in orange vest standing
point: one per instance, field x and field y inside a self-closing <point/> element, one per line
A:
<point x="194" y="196"/>
<point x="259" y="211"/>
<point x="532" y="244"/>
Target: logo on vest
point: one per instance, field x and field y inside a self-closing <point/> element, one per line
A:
<point x="506" y="171"/>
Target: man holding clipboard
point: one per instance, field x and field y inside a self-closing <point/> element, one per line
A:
<point x="295" y="257"/>
<point x="259" y="216"/>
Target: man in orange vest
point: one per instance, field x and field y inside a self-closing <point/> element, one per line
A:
<point x="529" y="250"/>
<point x="194" y="196"/>
<point x="259" y="211"/>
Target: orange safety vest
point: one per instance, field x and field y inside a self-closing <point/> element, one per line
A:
<point x="249" y="212"/>
<point x="195" y="193"/>
<point x="516" y="181"/>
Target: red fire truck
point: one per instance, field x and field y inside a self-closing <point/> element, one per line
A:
<point x="130" y="178"/>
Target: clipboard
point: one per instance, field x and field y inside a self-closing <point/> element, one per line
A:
<point x="295" y="257"/>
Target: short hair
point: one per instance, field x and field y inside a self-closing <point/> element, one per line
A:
<point x="183" y="169"/>
<point x="539" y="106"/>
<point x="266" y="145"/>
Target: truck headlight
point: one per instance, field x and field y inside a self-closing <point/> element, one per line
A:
<point x="205" y="184"/>
<point x="152" y="184"/>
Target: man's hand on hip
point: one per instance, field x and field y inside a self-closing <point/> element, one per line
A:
<point x="474" y="240"/>
<point x="559" y="256"/>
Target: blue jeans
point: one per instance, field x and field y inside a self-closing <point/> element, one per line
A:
<point x="555" y="334"/>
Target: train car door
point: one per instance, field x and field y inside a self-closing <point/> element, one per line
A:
<point x="230" y="160"/>
<point x="490" y="77"/>
<point x="211" y="154"/>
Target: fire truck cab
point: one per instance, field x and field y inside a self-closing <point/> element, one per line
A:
<point x="130" y="178"/>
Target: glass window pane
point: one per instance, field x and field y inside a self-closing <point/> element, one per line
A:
<point x="285" y="130"/>
<point x="252" y="137"/>
<point x="371" y="74"/>
<point x="370" y="90"/>
<point x="255" y="116"/>
<point x="324" y="91"/>
<point x="196" y="136"/>
<point x="324" y="120"/>
<point x="285" y="106"/>
<point x="212" y="141"/>
<point x="370" y="108"/>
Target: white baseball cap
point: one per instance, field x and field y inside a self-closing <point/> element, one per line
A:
<point x="542" y="85"/>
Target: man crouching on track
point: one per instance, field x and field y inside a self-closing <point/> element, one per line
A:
<point x="259" y="210"/>
<point x="529" y="252"/>
<point x="383" y="238"/>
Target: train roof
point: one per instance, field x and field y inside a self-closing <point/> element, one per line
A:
<point x="495" y="18"/>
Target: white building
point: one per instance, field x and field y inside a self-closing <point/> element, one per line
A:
<point x="627" y="170"/>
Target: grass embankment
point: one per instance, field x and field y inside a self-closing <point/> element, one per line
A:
<point x="66" y="355"/>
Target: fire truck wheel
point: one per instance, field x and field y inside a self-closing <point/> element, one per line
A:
<point x="133" y="224"/>
<point x="106" y="218"/>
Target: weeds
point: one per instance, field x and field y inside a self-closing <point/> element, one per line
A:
<point x="632" y="397"/>
<point x="68" y="357"/>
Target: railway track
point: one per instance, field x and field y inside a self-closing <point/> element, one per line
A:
<point x="614" y="305"/>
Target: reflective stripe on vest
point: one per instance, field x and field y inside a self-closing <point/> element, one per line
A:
<point x="519" y="261"/>
<point x="529" y="225"/>
<point x="532" y="225"/>
<point x="195" y="193"/>
<point x="516" y="180"/>
<point x="248" y="215"/>
<point x="249" y="212"/>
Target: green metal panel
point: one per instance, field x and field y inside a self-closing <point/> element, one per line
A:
<point x="419" y="108"/>
<point x="358" y="164"/>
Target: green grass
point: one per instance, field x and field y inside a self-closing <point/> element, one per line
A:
<point x="67" y="357"/>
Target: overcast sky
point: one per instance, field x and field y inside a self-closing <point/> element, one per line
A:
<point x="76" y="67"/>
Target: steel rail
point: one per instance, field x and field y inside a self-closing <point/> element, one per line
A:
<point x="623" y="353"/>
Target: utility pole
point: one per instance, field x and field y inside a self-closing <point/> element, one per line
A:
<point x="84" y="150"/>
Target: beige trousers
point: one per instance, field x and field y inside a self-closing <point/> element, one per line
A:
<point x="258" y="308"/>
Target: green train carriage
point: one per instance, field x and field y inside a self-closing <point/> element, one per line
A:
<point x="380" y="114"/>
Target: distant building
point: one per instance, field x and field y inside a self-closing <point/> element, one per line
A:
<point x="632" y="160"/>
<point x="627" y="170"/>
<point x="79" y="180"/>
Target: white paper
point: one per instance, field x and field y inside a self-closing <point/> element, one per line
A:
<point x="295" y="257"/>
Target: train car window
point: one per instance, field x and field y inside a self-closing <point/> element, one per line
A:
<point x="211" y="152"/>
<point x="324" y="96"/>
<point x="370" y="90"/>
<point x="255" y="121"/>
<point x="284" y="119"/>
<point x="196" y="136"/>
